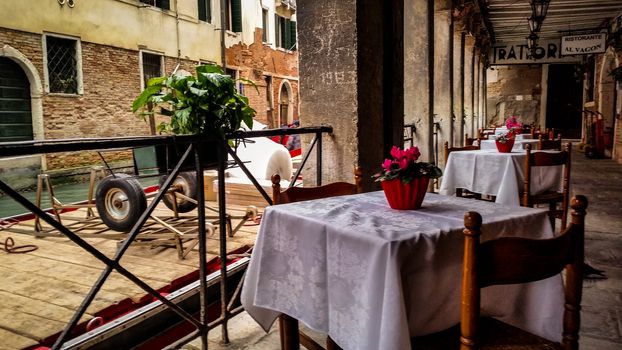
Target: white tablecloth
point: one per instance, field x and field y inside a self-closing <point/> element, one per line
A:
<point x="497" y="174"/>
<point x="372" y="277"/>
<point x="519" y="143"/>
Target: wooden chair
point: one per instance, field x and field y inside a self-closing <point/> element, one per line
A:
<point x="461" y="192"/>
<point x="552" y="198"/>
<point x="471" y="141"/>
<point x="550" y="143"/>
<point x="291" y="336"/>
<point x="513" y="260"/>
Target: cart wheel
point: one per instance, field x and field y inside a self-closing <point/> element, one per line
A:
<point x="186" y="184"/>
<point x="120" y="201"/>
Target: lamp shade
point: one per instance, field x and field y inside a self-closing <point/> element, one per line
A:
<point x="539" y="8"/>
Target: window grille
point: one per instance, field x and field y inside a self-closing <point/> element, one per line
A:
<point x="152" y="66"/>
<point x="62" y="65"/>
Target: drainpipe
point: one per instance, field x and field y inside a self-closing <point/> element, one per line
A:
<point x="452" y="117"/>
<point x="223" y="16"/>
<point x="473" y="92"/>
<point x="177" y="33"/>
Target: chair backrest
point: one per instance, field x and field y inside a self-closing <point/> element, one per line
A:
<point x="514" y="260"/>
<point x="448" y="149"/>
<point x="550" y="143"/>
<point x="561" y="158"/>
<point x="297" y="194"/>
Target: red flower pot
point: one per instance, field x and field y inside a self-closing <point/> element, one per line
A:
<point x="405" y="196"/>
<point x="505" y="147"/>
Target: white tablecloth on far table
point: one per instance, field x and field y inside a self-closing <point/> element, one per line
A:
<point x="372" y="277"/>
<point x="497" y="174"/>
<point x="519" y="143"/>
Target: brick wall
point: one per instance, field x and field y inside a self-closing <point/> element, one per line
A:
<point x="255" y="62"/>
<point x="111" y="81"/>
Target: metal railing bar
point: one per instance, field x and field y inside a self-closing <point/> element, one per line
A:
<point x="202" y="248"/>
<point x="114" y="263"/>
<point x="240" y="134"/>
<point x="250" y="176"/>
<point x="222" y="213"/>
<point x="304" y="161"/>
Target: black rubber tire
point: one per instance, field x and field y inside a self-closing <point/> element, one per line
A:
<point x="120" y="201"/>
<point x="185" y="183"/>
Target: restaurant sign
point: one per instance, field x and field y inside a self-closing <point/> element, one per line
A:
<point x="547" y="51"/>
<point x="583" y="44"/>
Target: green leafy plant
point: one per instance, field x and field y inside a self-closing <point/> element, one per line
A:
<point x="205" y="104"/>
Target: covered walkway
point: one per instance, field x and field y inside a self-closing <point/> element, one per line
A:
<point x="601" y="317"/>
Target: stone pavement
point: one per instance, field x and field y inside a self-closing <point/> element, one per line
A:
<point x="601" y="324"/>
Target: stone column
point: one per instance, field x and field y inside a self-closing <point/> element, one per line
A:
<point x="443" y="44"/>
<point x="469" y="55"/>
<point x="461" y="86"/>
<point x="416" y="73"/>
<point x="351" y="77"/>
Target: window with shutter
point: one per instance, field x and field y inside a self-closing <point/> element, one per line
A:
<point x="205" y="10"/>
<point x="236" y="15"/>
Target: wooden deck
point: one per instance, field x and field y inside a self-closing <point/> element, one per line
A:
<point x="40" y="290"/>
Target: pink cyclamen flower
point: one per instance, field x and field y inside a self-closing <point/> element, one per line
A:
<point x="403" y="163"/>
<point x="412" y="154"/>
<point x="386" y="165"/>
<point x="396" y="153"/>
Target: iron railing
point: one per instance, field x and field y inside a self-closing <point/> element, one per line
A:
<point x="193" y="149"/>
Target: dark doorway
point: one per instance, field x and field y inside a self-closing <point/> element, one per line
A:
<point x="563" y="107"/>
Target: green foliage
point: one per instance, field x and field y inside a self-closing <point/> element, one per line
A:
<point x="205" y="104"/>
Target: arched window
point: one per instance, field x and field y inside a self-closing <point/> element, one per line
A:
<point x="15" y="104"/>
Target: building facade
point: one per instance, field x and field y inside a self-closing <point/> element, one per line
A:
<point x="72" y="69"/>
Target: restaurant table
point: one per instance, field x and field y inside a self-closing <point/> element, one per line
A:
<point x="372" y="277"/>
<point x="490" y="172"/>
<point x="519" y="143"/>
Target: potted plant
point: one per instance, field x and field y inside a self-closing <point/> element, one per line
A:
<point x="204" y="104"/>
<point x="404" y="180"/>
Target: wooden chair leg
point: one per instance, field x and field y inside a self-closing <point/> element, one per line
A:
<point x="288" y="330"/>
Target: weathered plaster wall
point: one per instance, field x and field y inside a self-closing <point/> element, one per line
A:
<point x="514" y="90"/>
<point x="124" y="24"/>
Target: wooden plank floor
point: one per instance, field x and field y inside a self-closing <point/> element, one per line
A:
<point x="40" y="290"/>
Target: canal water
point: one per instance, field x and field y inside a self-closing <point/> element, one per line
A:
<point x="65" y="193"/>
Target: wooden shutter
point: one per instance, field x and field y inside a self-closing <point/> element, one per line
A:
<point x="287" y="35"/>
<point x="205" y="10"/>
<point x="15" y="115"/>
<point x="236" y="15"/>
<point x="292" y="35"/>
